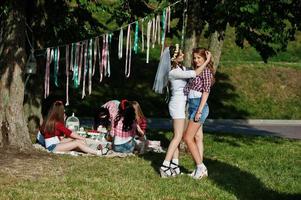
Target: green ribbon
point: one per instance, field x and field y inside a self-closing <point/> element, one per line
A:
<point x="75" y="65"/>
<point x="136" y="38"/>
<point x="55" y="60"/>
<point x="163" y="27"/>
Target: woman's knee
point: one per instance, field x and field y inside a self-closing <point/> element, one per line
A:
<point x="198" y="138"/>
<point x="187" y="138"/>
<point x="80" y="142"/>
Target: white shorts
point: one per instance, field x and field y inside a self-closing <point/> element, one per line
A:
<point x="177" y="106"/>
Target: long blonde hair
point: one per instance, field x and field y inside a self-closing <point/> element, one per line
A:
<point x="138" y="110"/>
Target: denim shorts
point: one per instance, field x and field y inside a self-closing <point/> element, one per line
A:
<point x="193" y="105"/>
<point x="127" y="147"/>
<point x="51" y="147"/>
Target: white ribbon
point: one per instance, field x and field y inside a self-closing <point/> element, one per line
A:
<point x="120" y="44"/>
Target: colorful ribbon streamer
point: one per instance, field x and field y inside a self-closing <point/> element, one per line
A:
<point x="67" y="75"/>
<point x="56" y="61"/>
<point x="136" y="38"/>
<point x="128" y="56"/>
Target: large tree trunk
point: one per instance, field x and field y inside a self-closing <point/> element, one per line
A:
<point x="216" y="42"/>
<point x="193" y="31"/>
<point x="13" y="127"/>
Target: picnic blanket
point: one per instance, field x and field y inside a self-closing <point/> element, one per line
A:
<point x="150" y="146"/>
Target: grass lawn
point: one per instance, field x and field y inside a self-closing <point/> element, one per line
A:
<point x="240" y="167"/>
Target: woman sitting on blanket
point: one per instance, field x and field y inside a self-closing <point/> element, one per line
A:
<point x="123" y="125"/>
<point x="54" y="130"/>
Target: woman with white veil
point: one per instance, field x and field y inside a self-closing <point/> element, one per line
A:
<point x="171" y="70"/>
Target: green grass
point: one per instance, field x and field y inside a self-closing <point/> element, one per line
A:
<point x="256" y="91"/>
<point x="240" y="167"/>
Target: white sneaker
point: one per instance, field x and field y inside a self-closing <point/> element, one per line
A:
<point x="200" y="173"/>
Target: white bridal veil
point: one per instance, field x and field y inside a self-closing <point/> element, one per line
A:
<point x="164" y="67"/>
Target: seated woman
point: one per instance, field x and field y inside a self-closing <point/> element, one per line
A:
<point x="124" y="128"/>
<point x="53" y="130"/>
<point x="141" y="127"/>
<point x="140" y="119"/>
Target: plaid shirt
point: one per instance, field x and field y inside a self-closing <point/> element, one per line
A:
<point x="143" y="124"/>
<point x="200" y="83"/>
<point x="117" y="131"/>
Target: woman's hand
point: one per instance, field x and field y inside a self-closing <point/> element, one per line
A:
<point x="208" y="55"/>
<point x="197" y="116"/>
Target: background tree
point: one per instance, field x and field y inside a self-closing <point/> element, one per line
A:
<point x="13" y="127"/>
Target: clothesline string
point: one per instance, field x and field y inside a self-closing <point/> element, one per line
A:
<point x="63" y="45"/>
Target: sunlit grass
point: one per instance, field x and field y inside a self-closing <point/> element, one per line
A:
<point x="240" y="167"/>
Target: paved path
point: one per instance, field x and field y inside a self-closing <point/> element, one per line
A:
<point x="280" y="128"/>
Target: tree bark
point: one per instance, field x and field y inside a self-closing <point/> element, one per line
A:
<point x="194" y="29"/>
<point x="216" y="41"/>
<point x="13" y="127"/>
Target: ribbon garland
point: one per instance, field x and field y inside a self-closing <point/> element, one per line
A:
<point x="90" y="50"/>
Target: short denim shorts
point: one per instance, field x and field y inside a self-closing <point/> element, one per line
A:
<point x="51" y="147"/>
<point x="127" y="147"/>
<point x="193" y="105"/>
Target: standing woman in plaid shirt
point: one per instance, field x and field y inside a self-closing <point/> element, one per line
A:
<point x="197" y="90"/>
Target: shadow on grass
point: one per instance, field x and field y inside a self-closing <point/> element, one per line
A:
<point x="242" y="184"/>
<point x="239" y="139"/>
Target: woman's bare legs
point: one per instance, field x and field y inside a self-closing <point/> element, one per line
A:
<point x="76" y="144"/>
<point x="189" y="138"/>
<point x="199" y="141"/>
<point x="173" y="151"/>
<point x="194" y="140"/>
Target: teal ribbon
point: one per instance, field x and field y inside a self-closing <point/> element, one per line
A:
<point x="55" y="60"/>
<point x="163" y="27"/>
<point x="75" y="65"/>
<point x="136" y="38"/>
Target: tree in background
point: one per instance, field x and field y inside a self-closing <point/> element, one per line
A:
<point x="48" y="23"/>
